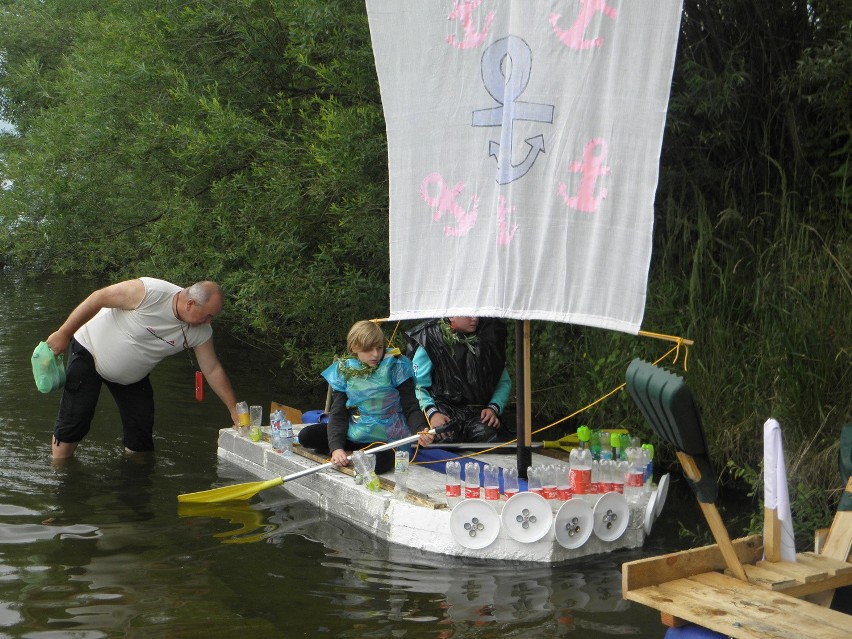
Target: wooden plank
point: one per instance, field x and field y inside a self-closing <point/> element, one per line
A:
<point x="656" y="570"/>
<point x="821" y="623"/>
<point x="802" y="573"/>
<point x="771" y="535"/>
<point x="740" y="610"/>
<point x="831" y="566"/>
<point x="768" y="579"/>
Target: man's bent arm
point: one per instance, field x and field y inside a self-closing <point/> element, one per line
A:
<point x="215" y="375"/>
<point x="124" y="295"/>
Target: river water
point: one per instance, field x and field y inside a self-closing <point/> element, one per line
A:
<point x="97" y="547"/>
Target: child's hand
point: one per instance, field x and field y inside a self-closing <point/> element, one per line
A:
<point x="425" y="439"/>
<point x="339" y="457"/>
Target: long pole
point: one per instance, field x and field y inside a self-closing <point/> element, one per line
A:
<point x="524" y="396"/>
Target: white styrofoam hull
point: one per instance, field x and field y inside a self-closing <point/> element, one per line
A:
<point x="404" y="522"/>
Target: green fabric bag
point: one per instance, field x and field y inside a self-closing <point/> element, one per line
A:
<point x="48" y="369"/>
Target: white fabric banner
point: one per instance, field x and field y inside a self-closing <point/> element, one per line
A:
<point x="775" y="491"/>
<point x="523" y="142"/>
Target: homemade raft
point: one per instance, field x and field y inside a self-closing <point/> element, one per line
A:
<point x="740" y="588"/>
<point x="524" y="529"/>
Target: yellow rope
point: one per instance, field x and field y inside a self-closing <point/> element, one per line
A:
<point x="675" y="349"/>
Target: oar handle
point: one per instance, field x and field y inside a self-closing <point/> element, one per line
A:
<point x="369" y="451"/>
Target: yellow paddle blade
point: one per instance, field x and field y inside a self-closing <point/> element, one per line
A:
<point x="230" y="493"/>
<point x="571" y="441"/>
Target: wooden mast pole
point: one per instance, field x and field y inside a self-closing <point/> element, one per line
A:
<point x="524" y="396"/>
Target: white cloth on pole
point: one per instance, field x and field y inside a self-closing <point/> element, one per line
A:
<point x="523" y="145"/>
<point x="775" y="493"/>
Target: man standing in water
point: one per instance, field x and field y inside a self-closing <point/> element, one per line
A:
<point x="118" y="335"/>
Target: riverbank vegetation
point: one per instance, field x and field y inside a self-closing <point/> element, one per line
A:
<point x="243" y="141"/>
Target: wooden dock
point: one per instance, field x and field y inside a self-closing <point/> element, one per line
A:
<point x="779" y="599"/>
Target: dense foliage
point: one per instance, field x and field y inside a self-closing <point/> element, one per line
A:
<point x="244" y="141"/>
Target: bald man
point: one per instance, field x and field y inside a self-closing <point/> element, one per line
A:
<point x="117" y="336"/>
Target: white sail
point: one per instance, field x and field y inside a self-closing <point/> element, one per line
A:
<point x="524" y="142"/>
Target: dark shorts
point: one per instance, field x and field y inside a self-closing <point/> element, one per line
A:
<point x="80" y="398"/>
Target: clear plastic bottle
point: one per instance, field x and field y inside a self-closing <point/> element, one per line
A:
<point x="548" y="483"/>
<point x="453" y="483"/>
<point x="244" y="418"/>
<point x="634" y="475"/>
<point x="563" y="483"/>
<point x="287" y="437"/>
<point x="534" y="479"/>
<point x="275" y="432"/>
<point x="596" y="487"/>
<point x="606" y="445"/>
<point x="581" y="472"/>
<point x="400" y="472"/>
<point x="365" y="469"/>
<point x="510" y="482"/>
<point x="623" y="445"/>
<point x="491" y="481"/>
<point x="472" y="487"/>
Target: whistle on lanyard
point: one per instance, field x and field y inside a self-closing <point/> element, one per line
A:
<point x="199" y="385"/>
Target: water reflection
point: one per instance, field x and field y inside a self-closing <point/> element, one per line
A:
<point x="376" y="589"/>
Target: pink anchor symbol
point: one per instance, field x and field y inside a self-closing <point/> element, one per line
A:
<point x="592" y="168"/>
<point x="575" y="36"/>
<point x="445" y="202"/>
<point x="463" y="10"/>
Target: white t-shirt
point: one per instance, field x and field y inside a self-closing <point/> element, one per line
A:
<point x="127" y="345"/>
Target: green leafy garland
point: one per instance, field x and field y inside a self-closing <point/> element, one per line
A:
<point x="348" y="373"/>
<point x="451" y="337"/>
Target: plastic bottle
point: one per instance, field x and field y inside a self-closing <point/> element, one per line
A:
<point x="584" y="436"/>
<point x="548" y="483"/>
<point x="510" y="482"/>
<point x="287" y="437"/>
<point x="596" y="487"/>
<point x="400" y="472"/>
<point x="243" y="417"/>
<point x="275" y="432"/>
<point x="563" y="484"/>
<point x="618" y="473"/>
<point x="606" y="445"/>
<point x="595" y="444"/>
<point x="534" y="479"/>
<point x="649" y="467"/>
<point x="453" y="483"/>
<point x="472" y="488"/>
<point x="614" y="444"/>
<point x="623" y="445"/>
<point x="365" y="469"/>
<point x="634" y="476"/>
<point x="580" y="472"/>
<point x="491" y="481"/>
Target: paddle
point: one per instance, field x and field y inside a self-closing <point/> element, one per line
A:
<point x="566" y="443"/>
<point x="250" y="489"/>
<point x="670" y="409"/>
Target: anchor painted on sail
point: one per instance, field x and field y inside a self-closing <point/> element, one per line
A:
<point x="506" y="69"/>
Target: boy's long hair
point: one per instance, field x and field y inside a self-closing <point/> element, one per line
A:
<point x="364" y="335"/>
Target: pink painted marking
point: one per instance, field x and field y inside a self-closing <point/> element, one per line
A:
<point x="591" y="168"/>
<point x="445" y="202"/>
<point x="463" y="10"/>
<point x="504" y="235"/>
<point x="574" y="37"/>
